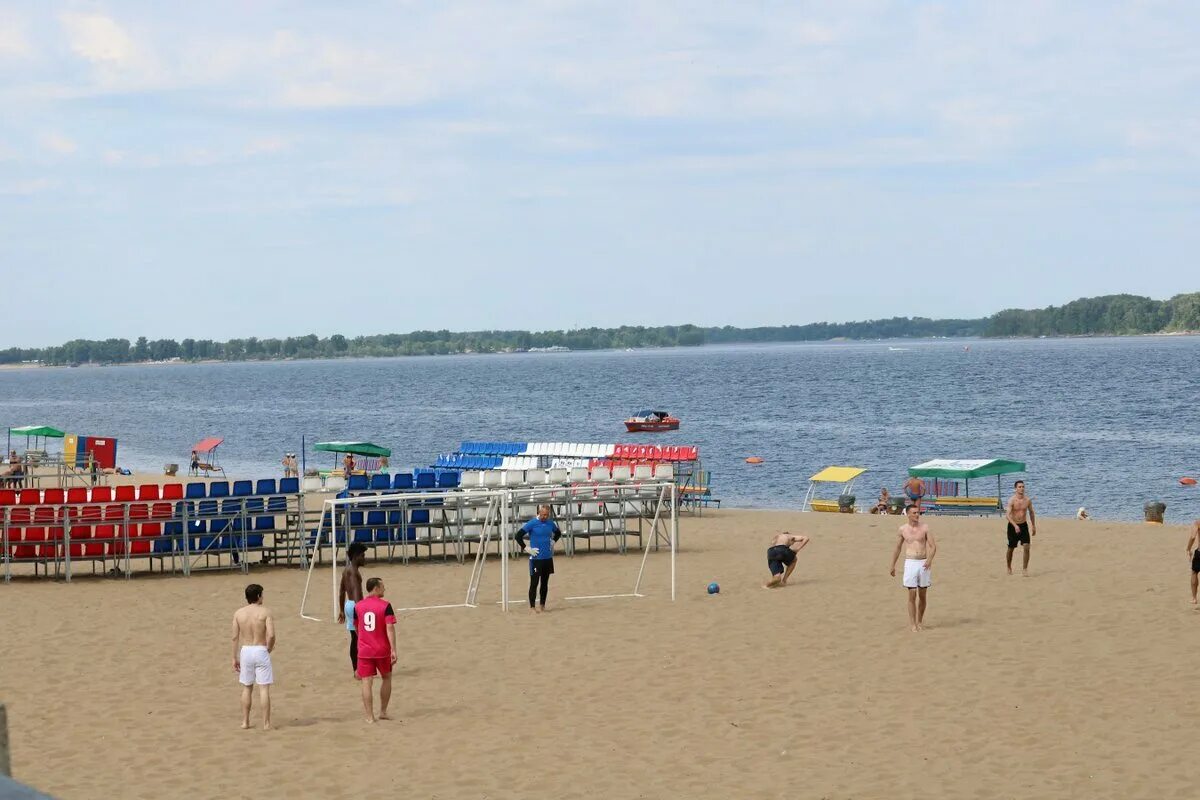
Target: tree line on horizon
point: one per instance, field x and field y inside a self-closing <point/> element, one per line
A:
<point x="1111" y="315"/>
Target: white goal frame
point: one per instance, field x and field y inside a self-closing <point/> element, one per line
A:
<point x="499" y="520"/>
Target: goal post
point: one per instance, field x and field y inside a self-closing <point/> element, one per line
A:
<point x="496" y="513"/>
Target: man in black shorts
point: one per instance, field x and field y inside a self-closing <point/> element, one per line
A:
<point x="781" y="557"/>
<point x="1022" y="524"/>
<point x="1193" y="548"/>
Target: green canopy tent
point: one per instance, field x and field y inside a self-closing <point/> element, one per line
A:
<point x="965" y="469"/>
<point x="35" y="432"/>
<point x="355" y="448"/>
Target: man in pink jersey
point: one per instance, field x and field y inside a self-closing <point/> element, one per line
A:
<point x="376" y="625"/>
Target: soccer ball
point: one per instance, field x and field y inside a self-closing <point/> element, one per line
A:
<point x="714" y="588"/>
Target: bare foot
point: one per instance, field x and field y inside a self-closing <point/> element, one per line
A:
<point x="370" y="720"/>
<point x="1025" y="573"/>
<point x="384" y="715"/>
<point x="914" y="629"/>
<point x="540" y="609"/>
<point x="920" y="627"/>
<point x="1193" y="601"/>
<point x="771" y="584"/>
<point x="245" y="726"/>
<point x="1010" y="570"/>
<point x="267" y="726"/>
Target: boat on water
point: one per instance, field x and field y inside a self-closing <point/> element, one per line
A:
<point x="651" y="422"/>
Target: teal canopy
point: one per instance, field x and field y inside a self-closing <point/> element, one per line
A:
<point x="357" y="448"/>
<point x="965" y="469"/>
<point x="38" y="430"/>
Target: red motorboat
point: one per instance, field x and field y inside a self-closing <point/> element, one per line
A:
<point x="651" y="422"/>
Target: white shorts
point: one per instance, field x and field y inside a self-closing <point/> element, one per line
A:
<point x="915" y="574"/>
<point x="256" y="666"/>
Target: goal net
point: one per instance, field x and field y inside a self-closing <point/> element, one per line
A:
<point x="477" y="525"/>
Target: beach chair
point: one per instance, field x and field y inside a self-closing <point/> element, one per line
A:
<point x="403" y="481"/>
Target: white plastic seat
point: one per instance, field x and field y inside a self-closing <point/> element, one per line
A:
<point x="643" y="472"/>
<point x="335" y="483"/>
<point x="558" y="475"/>
<point x="621" y="473"/>
<point x="664" y="472"/>
<point x="535" y="477"/>
<point x="513" y="477"/>
<point x="312" y="483"/>
<point x="578" y="475"/>
<point x="601" y="474"/>
<point x="491" y="478"/>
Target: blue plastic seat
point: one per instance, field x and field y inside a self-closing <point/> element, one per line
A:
<point x="402" y="480"/>
<point x="255" y="505"/>
<point x="426" y="480"/>
<point x="357" y="483"/>
<point x="289" y="485"/>
<point x="218" y="489"/>
<point x="447" y="480"/>
<point x="195" y="491"/>
<point x="265" y="486"/>
<point x="381" y="482"/>
<point x="243" y="488"/>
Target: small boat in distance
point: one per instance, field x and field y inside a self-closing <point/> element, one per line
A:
<point x="651" y="422"/>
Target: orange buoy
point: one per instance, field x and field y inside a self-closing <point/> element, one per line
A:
<point x="1188" y="481"/>
<point x="754" y="460"/>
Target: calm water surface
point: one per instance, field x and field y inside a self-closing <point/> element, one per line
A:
<point x="1106" y="423"/>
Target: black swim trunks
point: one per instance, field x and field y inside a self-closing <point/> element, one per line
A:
<point x="1196" y="561"/>
<point x="1018" y="535"/>
<point x="541" y="566"/>
<point x="778" y="557"/>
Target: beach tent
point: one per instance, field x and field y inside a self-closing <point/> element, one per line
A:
<point x="208" y="447"/>
<point x="34" y="432"/>
<point x="964" y="470"/>
<point x="357" y="448"/>
<point x="843" y="476"/>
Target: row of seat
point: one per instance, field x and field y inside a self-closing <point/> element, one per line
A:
<point x="460" y="461"/>
<point x="621" y="473"/>
<point x="106" y="540"/>
<point x="643" y="452"/>
<point x="163" y="510"/>
<point x="404" y="481"/>
<point x="147" y="492"/>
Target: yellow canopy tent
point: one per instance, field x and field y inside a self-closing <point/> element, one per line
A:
<point x="843" y="476"/>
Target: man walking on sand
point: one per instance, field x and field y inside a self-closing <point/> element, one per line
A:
<point x="253" y="641"/>
<point x="919" y="547"/>
<point x="781" y="557"/>
<point x="376" y="625"/>
<point x="349" y="593"/>
<point x="1193" y="548"/>
<point x="1019" y="529"/>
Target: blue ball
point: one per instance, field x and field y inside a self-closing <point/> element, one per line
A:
<point x="714" y="588"/>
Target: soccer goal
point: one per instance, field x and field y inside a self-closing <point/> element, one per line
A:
<point x="403" y="523"/>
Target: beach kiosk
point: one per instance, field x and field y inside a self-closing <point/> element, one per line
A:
<point x="35" y="433"/>
<point x="946" y="474"/>
<point x="835" y="476"/>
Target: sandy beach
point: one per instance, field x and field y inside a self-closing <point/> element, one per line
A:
<point x="1072" y="682"/>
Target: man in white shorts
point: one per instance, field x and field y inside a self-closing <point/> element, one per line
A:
<point x="919" y="549"/>
<point x="253" y="641"/>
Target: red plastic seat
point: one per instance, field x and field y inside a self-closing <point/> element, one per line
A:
<point x="160" y="511"/>
<point x="114" y="511"/>
<point x="54" y="497"/>
<point x="102" y="536"/>
<point x="19" y="516"/>
<point x="80" y="536"/>
<point x="126" y="494"/>
<point x="8" y="497"/>
<point x="90" y="513"/>
<point x="148" y="491"/>
<point x="30" y="497"/>
<point x="77" y="494"/>
<point x="31" y="535"/>
<point x="52" y="551"/>
<point x="101" y="494"/>
<point x="45" y="514"/>
<point x="172" y="491"/>
<point x="139" y="511"/>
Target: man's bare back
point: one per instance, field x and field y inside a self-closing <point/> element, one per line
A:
<point x="253" y="623"/>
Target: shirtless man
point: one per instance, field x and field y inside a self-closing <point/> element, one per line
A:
<point x="1193" y="549"/>
<point x="1019" y="530"/>
<point x="919" y="547"/>
<point x="781" y="554"/>
<point x="349" y="593"/>
<point x="253" y="641"/>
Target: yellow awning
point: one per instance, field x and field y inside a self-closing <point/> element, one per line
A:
<point x="837" y="474"/>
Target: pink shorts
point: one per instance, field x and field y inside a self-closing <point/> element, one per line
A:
<point x="369" y="667"/>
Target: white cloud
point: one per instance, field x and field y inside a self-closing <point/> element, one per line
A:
<point x="57" y="144"/>
<point x="98" y="38"/>
<point x="26" y="188"/>
<point x="13" y="40"/>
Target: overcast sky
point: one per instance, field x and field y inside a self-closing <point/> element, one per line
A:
<point x="226" y="169"/>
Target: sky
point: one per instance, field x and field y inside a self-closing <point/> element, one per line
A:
<point x="257" y="168"/>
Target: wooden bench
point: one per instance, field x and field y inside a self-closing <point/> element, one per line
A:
<point x="963" y="505"/>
